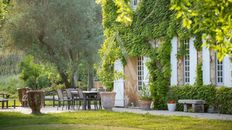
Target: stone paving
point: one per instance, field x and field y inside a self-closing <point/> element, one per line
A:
<point x="50" y="109"/>
<point x="177" y="113"/>
<point x="27" y="110"/>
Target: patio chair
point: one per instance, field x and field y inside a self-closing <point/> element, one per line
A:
<point x="97" y="102"/>
<point x="80" y="98"/>
<point x="63" y="99"/>
<point x="71" y="96"/>
<point x="50" y="96"/>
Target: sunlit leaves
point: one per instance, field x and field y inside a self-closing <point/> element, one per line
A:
<point x="211" y="17"/>
<point x="124" y="11"/>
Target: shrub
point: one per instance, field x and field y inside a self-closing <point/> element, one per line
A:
<point x="224" y="100"/>
<point x="219" y="97"/>
<point x="9" y="84"/>
<point x="34" y="75"/>
<point x="204" y="92"/>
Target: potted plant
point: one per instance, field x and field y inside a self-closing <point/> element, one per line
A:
<point x="107" y="77"/>
<point x="145" y="98"/>
<point x="35" y="78"/>
<point x="108" y="100"/>
<point x="171" y="105"/>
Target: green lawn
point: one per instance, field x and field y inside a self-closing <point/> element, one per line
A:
<point x="98" y="120"/>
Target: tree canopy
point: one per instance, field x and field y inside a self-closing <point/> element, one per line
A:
<point x="212" y="18"/>
<point x="64" y="33"/>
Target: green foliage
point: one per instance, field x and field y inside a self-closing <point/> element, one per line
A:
<point x="199" y="79"/>
<point x="145" y="94"/>
<point x="198" y="41"/>
<point x="8" y="64"/>
<point x="33" y="74"/>
<point x="124" y="12"/>
<point x="223" y="100"/>
<point x="10" y="83"/>
<point x="217" y="97"/>
<point x="159" y="69"/>
<point x="63" y="39"/>
<point x="3" y="10"/>
<point x="209" y="17"/>
<point x="206" y="93"/>
<point x="152" y="20"/>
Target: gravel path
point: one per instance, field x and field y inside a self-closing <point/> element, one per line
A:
<point x="167" y="113"/>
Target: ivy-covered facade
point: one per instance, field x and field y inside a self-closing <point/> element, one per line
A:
<point x="154" y="52"/>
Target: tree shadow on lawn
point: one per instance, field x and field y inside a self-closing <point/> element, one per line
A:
<point x="105" y="120"/>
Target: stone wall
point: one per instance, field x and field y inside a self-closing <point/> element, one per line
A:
<point x="131" y="80"/>
<point x="212" y="67"/>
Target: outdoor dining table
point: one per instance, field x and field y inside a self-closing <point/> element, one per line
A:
<point x="86" y="95"/>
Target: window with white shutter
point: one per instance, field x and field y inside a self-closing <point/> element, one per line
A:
<point x="186" y="63"/>
<point x="219" y="72"/>
<point x="140" y="72"/>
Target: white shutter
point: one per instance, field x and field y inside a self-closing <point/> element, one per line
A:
<point x="119" y="85"/>
<point x="145" y="71"/>
<point x="174" y="74"/>
<point x="227" y="71"/>
<point x="206" y="65"/>
<point x="193" y="61"/>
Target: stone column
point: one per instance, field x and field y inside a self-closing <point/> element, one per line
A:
<point x="212" y="67"/>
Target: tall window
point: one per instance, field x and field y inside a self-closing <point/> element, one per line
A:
<point x="140" y="73"/>
<point x="219" y="72"/>
<point x="186" y="63"/>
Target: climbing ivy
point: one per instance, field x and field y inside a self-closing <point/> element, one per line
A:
<point x="199" y="78"/>
<point x="152" y="20"/>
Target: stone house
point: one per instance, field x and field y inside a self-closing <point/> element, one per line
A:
<point x="183" y="71"/>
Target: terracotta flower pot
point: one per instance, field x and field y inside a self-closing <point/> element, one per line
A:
<point x="108" y="100"/>
<point x="35" y="100"/>
<point x="145" y="104"/>
<point x="22" y="94"/>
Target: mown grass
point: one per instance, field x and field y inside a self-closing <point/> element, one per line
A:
<point x="94" y="120"/>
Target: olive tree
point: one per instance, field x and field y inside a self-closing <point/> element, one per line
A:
<point x="62" y="32"/>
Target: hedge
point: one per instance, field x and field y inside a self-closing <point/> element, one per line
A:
<point x="219" y="97"/>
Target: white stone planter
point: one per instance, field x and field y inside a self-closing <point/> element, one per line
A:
<point x="171" y="107"/>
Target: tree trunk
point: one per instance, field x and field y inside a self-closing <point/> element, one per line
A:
<point x="74" y="79"/>
<point x="90" y="78"/>
<point x="64" y="78"/>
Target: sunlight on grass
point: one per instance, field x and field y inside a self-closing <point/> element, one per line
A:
<point x="105" y="120"/>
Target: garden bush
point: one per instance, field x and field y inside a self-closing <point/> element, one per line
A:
<point x="219" y="97"/>
<point x="10" y="83"/>
<point x="224" y="100"/>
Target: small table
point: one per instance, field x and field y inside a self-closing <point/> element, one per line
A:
<point x="87" y="95"/>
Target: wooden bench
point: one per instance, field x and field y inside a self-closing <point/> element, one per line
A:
<point x="196" y="104"/>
